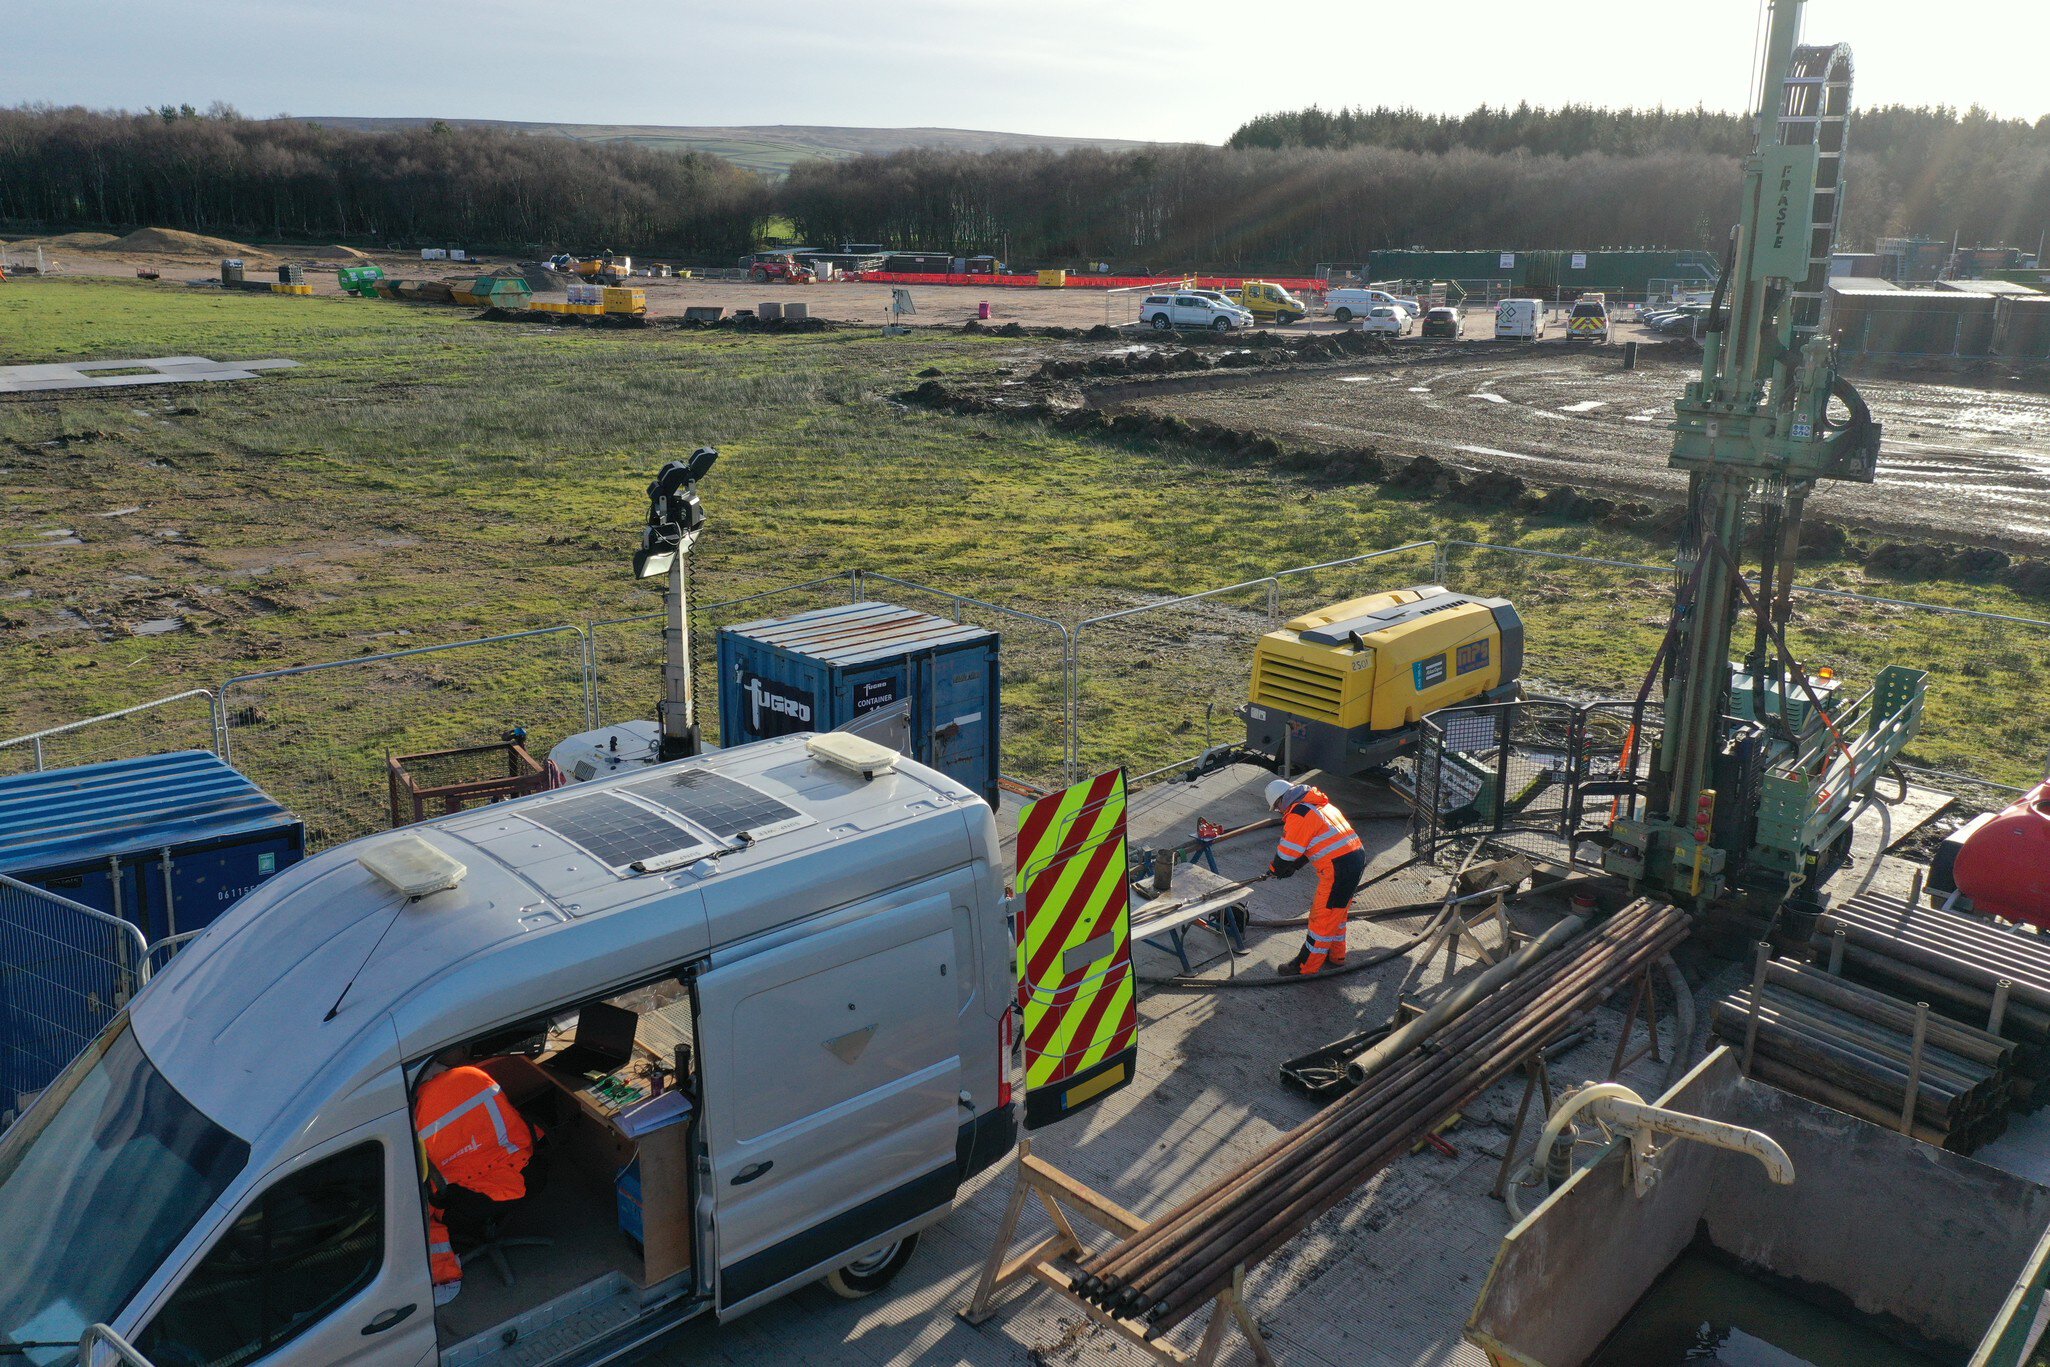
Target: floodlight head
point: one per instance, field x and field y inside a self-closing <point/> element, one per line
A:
<point x="675" y="515"/>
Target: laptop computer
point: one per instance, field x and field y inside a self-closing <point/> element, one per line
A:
<point x="604" y="1040"/>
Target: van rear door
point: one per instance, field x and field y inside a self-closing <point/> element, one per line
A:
<point x="832" y="1080"/>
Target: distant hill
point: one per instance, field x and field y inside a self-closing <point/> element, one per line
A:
<point x="771" y="149"/>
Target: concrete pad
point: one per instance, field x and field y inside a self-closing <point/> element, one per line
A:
<point x="27" y="379"/>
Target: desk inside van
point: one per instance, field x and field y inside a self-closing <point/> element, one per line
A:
<point x="601" y="1140"/>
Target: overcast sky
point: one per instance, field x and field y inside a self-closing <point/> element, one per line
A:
<point x="1185" y="70"/>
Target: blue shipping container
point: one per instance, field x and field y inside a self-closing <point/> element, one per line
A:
<point x="820" y="670"/>
<point x="167" y="842"/>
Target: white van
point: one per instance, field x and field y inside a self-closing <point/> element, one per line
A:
<point x="1348" y="304"/>
<point x="809" y="950"/>
<point x="1193" y="309"/>
<point x="1520" y="318"/>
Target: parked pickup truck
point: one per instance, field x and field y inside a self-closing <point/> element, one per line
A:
<point x="1186" y="309"/>
<point x="1268" y="302"/>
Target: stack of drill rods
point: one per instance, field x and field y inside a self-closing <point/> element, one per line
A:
<point x="1952" y="961"/>
<point x="1952" y="1093"/>
<point x="1168" y="1270"/>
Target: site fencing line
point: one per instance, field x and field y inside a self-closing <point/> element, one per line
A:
<point x="65" y="970"/>
<point x="89" y="739"/>
<point x="318" y="737"/>
<point x="1148" y="687"/>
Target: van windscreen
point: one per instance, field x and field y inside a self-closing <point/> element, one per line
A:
<point x="98" y="1183"/>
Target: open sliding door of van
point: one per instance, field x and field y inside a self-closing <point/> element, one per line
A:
<point x="832" y="1079"/>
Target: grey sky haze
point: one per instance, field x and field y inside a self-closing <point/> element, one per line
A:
<point x="1177" y="70"/>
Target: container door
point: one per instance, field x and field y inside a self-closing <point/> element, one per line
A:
<point x="832" y="1080"/>
<point x="963" y="718"/>
<point x="202" y="883"/>
<point x="870" y="690"/>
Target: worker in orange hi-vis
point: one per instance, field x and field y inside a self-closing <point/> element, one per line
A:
<point x="1316" y="833"/>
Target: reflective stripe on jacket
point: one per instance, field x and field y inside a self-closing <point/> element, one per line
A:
<point x="442" y="1262"/>
<point x="472" y="1135"/>
<point x="1314" y="832"/>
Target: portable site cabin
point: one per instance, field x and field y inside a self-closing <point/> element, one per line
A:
<point x="813" y="947"/>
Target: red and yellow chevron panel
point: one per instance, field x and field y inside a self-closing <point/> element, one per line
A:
<point x="1081" y="1018"/>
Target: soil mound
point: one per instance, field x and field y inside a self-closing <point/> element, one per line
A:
<point x="72" y="241"/>
<point x="172" y="242"/>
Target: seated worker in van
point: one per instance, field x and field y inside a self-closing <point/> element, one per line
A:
<point x="478" y="1148"/>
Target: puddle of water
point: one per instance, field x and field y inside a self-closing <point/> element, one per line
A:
<point x="1491" y="398"/>
<point x="119" y="512"/>
<point x="158" y="626"/>
<point x="1585" y="406"/>
<point x="1703" y="1311"/>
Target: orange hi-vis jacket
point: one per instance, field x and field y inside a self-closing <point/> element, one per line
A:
<point x="1314" y="832"/>
<point x="472" y="1135"/>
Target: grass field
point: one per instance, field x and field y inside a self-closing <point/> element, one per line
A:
<point x="424" y="477"/>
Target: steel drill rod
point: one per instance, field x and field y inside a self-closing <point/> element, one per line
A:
<point x="1982" y="952"/>
<point x="1867" y="1040"/>
<point x="1981" y="1046"/>
<point x="1312" y="1136"/>
<point x="1792" y="1080"/>
<point x="1201" y="1274"/>
<point x="1976" y="1064"/>
<point x="2025" y="1024"/>
<point x="1505" y="1029"/>
<point x="1819" y="1057"/>
<point x="1411" y="1081"/>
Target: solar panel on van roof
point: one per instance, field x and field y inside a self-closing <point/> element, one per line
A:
<point x="611" y="828"/>
<point x="719" y="804"/>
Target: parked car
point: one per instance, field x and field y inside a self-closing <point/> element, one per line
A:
<point x="1443" y="321"/>
<point x="1193" y="309"/>
<point x="1589" y="321"/>
<point x="1389" y="320"/>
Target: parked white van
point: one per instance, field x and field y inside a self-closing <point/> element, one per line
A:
<point x="1348" y="304"/>
<point x="1193" y="309"/>
<point x="1520" y="318"/>
<point x="806" y="941"/>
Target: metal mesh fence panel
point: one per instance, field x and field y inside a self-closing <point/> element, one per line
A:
<point x="319" y="738"/>
<point x="1986" y="675"/>
<point x="1158" y="684"/>
<point x="1580" y="615"/>
<point x="183" y="721"/>
<point x="65" y="969"/>
<point x="627" y="652"/>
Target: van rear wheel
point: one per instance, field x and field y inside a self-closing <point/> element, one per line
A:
<point x="867" y="1275"/>
<point x="1343" y="315"/>
<point x="1162" y="323"/>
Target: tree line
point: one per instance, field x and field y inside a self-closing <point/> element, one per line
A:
<point x="1293" y="188"/>
<point x="1288" y="190"/>
<point x="283" y="179"/>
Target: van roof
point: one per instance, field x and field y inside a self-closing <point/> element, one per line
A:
<point x="547" y="912"/>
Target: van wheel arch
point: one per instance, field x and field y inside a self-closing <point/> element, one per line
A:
<point x="867" y="1275"/>
<point x="1342" y="314"/>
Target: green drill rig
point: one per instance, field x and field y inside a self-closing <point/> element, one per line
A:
<point x="1761" y="767"/>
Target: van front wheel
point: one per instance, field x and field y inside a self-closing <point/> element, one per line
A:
<point x="867" y="1275"/>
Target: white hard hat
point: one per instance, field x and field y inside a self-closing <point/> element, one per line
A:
<point x="1279" y="790"/>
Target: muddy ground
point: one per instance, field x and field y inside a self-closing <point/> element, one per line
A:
<point x="1957" y="463"/>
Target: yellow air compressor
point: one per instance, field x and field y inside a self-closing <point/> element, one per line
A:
<point x="1342" y="689"/>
